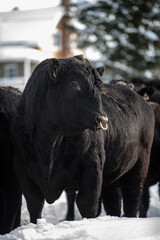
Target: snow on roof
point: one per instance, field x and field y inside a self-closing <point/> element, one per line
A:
<point x="29" y="25"/>
<point x="20" y="53"/>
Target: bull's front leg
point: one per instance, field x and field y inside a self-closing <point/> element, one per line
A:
<point x="31" y="191"/>
<point x="88" y="198"/>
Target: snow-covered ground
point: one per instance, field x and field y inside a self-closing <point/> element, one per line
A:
<point x="52" y="226"/>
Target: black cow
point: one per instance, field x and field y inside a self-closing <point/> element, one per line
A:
<point x="151" y="93"/>
<point x="113" y="206"/>
<point x="61" y="99"/>
<point x="150" y="87"/>
<point x="127" y="154"/>
<point x="57" y="149"/>
<point x="10" y="193"/>
<point x="125" y="83"/>
<point x="153" y="176"/>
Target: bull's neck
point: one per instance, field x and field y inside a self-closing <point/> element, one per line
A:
<point x="45" y="142"/>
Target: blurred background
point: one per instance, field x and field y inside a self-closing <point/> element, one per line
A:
<point x="124" y="36"/>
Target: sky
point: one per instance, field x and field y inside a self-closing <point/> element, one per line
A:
<point x="8" y="5"/>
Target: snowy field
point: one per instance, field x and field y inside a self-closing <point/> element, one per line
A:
<point x="52" y="226"/>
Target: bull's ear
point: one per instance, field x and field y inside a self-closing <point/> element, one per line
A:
<point x="55" y="66"/>
<point x="100" y="71"/>
<point x="79" y="57"/>
<point x="147" y="91"/>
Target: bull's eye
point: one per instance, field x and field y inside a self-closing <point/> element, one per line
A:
<point x="75" y="85"/>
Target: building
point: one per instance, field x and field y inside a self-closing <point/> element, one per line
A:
<point x="28" y="37"/>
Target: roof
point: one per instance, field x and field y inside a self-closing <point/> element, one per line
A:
<point x="29" y="25"/>
<point x="20" y="53"/>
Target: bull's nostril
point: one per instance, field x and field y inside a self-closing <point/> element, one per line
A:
<point x="103" y="122"/>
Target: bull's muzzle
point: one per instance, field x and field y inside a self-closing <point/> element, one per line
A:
<point x="103" y="122"/>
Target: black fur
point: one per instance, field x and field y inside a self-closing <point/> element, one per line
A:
<point x="10" y="193"/>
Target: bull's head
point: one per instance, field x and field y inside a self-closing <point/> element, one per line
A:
<point x="68" y="95"/>
<point x="78" y="87"/>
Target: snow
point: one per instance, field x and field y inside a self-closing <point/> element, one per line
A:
<point x="92" y="229"/>
<point x="20" y="53"/>
<point x="8" y="5"/>
<point x="52" y="226"/>
<point x="28" y="24"/>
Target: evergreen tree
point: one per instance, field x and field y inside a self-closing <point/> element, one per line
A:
<point x="125" y="32"/>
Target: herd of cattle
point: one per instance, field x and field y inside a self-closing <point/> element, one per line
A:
<point x="69" y="131"/>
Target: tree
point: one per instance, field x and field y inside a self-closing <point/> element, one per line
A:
<point x="126" y="33"/>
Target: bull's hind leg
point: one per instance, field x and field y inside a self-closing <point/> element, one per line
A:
<point x="71" y="195"/>
<point x="111" y="197"/>
<point x="132" y="186"/>
<point x="144" y="205"/>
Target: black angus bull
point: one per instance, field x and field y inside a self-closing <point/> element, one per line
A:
<point x="127" y="113"/>
<point x="10" y="193"/>
<point x="56" y="145"/>
<point x="61" y="99"/>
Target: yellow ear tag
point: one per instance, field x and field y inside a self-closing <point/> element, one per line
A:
<point x="146" y="97"/>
